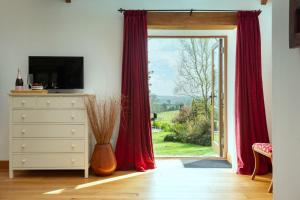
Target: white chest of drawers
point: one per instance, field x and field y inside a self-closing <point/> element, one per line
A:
<point x="48" y="132"/>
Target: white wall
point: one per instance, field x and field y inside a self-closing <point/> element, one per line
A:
<point x="89" y="28"/>
<point x="286" y="107"/>
<point x="266" y="43"/>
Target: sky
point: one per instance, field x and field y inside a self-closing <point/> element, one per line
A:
<point x="163" y="61"/>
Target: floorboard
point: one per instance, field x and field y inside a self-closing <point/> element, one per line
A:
<point x="170" y="181"/>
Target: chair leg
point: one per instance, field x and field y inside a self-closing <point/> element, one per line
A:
<point x="270" y="190"/>
<point x="256" y="166"/>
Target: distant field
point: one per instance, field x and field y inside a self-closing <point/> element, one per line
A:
<point x="167" y="116"/>
<point x="162" y="148"/>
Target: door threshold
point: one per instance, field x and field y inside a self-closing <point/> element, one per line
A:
<point x="189" y="158"/>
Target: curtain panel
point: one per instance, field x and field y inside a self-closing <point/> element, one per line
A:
<point x="134" y="148"/>
<point x="250" y="117"/>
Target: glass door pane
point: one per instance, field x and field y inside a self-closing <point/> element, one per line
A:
<point x="217" y="98"/>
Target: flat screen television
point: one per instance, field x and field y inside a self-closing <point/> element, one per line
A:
<point x="57" y="72"/>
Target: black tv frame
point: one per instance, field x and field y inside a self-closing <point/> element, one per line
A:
<point x="61" y="57"/>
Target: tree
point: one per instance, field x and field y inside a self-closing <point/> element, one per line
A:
<point x="183" y="115"/>
<point x="194" y="71"/>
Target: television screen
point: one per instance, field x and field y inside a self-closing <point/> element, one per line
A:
<point x="57" y="72"/>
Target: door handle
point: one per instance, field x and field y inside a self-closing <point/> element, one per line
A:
<point x="211" y="98"/>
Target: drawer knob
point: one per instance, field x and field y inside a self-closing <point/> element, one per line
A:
<point x="73" y="131"/>
<point x="23" y="116"/>
<point x="23" y="161"/>
<point x="48" y="102"/>
<point x="23" y="146"/>
<point x="73" y="161"/>
<point x="23" y="132"/>
<point x="73" y="103"/>
<point x="73" y="116"/>
<point x="23" y="102"/>
<point x="73" y="146"/>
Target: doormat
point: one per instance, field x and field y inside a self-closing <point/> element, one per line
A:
<point x="206" y="164"/>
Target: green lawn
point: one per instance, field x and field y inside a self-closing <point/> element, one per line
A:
<point x="167" y="116"/>
<point x="162" y="148"/>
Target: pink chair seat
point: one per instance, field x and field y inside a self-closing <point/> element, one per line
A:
<point x="265" y="147"/>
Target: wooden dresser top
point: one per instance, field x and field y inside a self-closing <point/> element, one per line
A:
<point x="49" y="94"/>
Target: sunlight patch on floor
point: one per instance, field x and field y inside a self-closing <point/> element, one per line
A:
<point x="99" y="182"/>
<point x="168" y="164"/>
<point x="59" y="191"/>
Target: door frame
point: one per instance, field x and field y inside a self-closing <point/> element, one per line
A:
<point x="218" y="146"/>
<point x="225" y="122"/>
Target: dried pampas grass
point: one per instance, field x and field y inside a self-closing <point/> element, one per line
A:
<point x="102" y="115"/>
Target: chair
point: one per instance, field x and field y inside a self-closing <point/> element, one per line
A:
<point x="264" y="149"/>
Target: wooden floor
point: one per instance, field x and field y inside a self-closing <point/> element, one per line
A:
<point x="170" y="181"/>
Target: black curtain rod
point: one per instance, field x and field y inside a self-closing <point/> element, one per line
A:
<point x="121" y="10"/>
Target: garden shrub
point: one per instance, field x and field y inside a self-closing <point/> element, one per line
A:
<point x="175" y="137"/>
<point x="192" y="132"/>
<point x="157" y="124"/>
<point x="163" y="126"/>
<point x="183" y="116"/>
<point x="166" y="127"/>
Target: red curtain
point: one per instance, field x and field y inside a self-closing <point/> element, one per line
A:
<point x="250" y="118"/>
<point x="134" y="148"/>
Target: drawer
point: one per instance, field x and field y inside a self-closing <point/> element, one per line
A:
<point x="59" y="116"/>
<point x="60" y="102"/>
<point x="49" y="102"/>
<point x="47" y="146"/>
<point x="23" y="102"/>
<point x="48" y="160"/>
<point x="73" y="102"/>
<point x="45" y="130"/>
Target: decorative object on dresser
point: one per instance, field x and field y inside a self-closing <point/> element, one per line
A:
<point x="37" y="86"/>
<point x="102" y="115"/>
<point x="19" y="81"/>
<point x="48" y="131"/>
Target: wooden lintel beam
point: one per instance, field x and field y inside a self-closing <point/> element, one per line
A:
<point x="194" y="21"/>
<point x="264" y="2"/>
